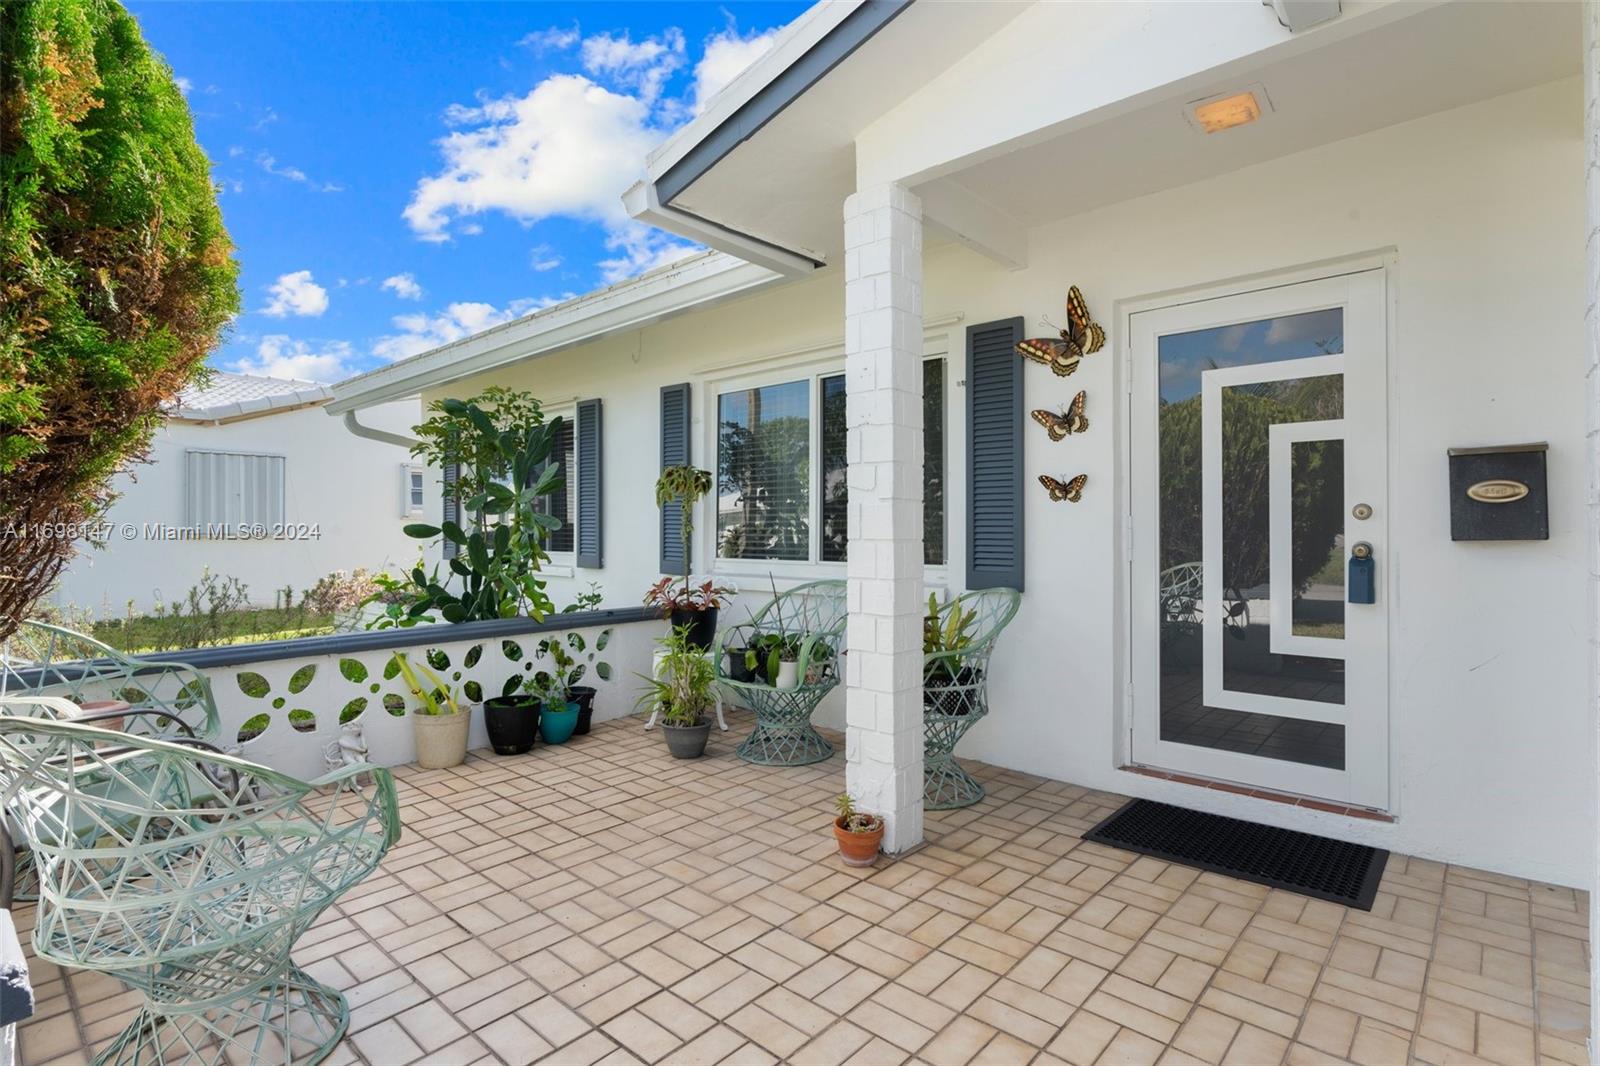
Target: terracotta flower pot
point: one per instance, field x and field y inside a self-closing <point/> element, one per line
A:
<point x="858" y="849"/>
<point x="101" y="707"/>
<point x="441" y="738"/>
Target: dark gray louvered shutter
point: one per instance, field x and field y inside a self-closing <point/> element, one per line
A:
<point x="590" y="538"/>
<point x="674" y="452"/>
<point x="994" y="455"/>
<point x="452" y="505"/>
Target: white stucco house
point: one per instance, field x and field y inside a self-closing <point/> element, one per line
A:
<point x="1328" y="245"/>
<point x="250" y="479"/>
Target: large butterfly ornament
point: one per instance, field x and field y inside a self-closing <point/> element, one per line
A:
<point x="1083" y="336"/>
<point x="1060" y="426"/>
<point x="1072" y="491"/>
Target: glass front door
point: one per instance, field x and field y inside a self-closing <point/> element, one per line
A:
<point x="1258" y="456"/>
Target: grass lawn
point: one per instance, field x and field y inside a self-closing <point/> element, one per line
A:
<point x="157" y="633"/>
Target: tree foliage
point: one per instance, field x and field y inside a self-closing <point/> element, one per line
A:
<point x="116" y="274"/>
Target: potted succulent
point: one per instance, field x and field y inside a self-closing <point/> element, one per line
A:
<point x="682" y="692"/>
<point x="439" y="721"/>
<point x="512" y="718"/>
<point x="946" y="632"/>
<point x="697" y="608"/>
<point x="859" y="834"/>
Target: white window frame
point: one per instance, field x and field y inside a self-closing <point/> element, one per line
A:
<point x="408" y="473"/>
<point x="825" y="363"/>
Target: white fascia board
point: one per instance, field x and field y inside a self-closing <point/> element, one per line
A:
<point x="698" y="281"/>
<point x="643" y="203"/>
<point x="797" y="39"/>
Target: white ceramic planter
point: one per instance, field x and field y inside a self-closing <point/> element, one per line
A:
<point x="441" y="738"/>
<point x="788" y="675"/>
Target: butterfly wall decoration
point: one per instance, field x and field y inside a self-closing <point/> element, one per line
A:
<point x="1071" y="491"/>
<point x="1083" y="336"/>
<point x="1064" y="425"/>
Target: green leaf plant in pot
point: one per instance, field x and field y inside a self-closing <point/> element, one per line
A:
<point x="572" y="655"/>
<point x="946" y="635"/>
<point x="696" y="608"/>
<point x="682" y="691"/>
<point x="859" y="835"/>
<point x="439" y="720"/>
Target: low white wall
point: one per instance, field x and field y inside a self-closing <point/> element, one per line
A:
<point x="328" y="683"/>
<point x="348" y="486"/>
<point x="1490" y="741"/>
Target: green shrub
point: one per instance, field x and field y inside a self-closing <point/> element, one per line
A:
<point x="116" y="274"/>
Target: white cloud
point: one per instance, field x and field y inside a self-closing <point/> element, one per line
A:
<point x="726" y="56"/>
<point x="553" y="39"/>
<point x="279" y="357"/>
<point x="574" y="143"/>
<point x="184" y="85"/>
<point x="269" y="163"/>
<point x="644" y="66"/>
<point x="268" y="117"/>
<point x="296" y="294"/>
<point x="404" y="286"/>
<point x="542" y="257"/>
<point x="420" y="332"/>
<point x="570" y="147"/>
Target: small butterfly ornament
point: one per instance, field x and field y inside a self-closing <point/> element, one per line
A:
<point x="1061" y="426"/>
<point x="1071" y="491"/>
<point x="1083" y="336"/>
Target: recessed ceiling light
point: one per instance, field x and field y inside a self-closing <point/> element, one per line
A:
<point x="1216" y="115"/>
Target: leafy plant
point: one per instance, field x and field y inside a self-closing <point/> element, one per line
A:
<point x="852" y="820"/>
<point x="433" y="698"/>
<point x="946" y="630"/>
<point x="117" y="277"/>
<point x="670" y="597"/>
<point x="682" y="689"/>
<point x="685" y="486"/>
<point x="503" y="450"/>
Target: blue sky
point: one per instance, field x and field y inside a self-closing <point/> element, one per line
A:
<point x="399" y="175"/>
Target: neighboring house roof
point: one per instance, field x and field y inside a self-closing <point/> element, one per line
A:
<point x="233" y="397"/>
<point x="697" y="281"/>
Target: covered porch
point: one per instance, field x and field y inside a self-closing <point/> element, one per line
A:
<point x="602" y="902"/>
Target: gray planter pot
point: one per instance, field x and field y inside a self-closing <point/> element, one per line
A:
<point x="687" y="741"/>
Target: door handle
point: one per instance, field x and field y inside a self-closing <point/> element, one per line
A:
<point x="1362" y="584"/>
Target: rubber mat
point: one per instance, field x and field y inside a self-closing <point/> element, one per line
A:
<point x="1266" y="855"/>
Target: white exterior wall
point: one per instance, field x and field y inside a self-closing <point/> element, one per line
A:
<point x="346" y="485"/>
<point x="1489" y="664"/>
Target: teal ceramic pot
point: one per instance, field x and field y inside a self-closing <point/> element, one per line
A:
<point x="556" y="723"/>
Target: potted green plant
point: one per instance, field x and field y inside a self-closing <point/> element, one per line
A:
<point x="858" y="834"/>
<point x="696" y="608"/>
<point x="587" y="658"/>
<point x="682" y="691"/>
<point x="512" y="718"/>
<point x="558" y="712"/>
<point x="439" y="721"/>
<point x="946" y="632"/>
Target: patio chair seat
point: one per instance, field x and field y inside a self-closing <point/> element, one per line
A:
<point x="783" y="734"/>
<point x="191" y="893"/>
<point x="955" y="697"/>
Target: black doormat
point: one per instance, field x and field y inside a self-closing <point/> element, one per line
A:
<point x="1279" y="858"/>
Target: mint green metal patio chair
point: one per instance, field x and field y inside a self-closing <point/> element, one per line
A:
<point x="191" y="893"/>
<point x="167" y="700"/>
<point x="955" y="688"/>
<point x="814" y="615"/>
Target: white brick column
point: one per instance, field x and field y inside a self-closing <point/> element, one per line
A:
<point x="883" y="381"/>
<point x="1591" y="138"/>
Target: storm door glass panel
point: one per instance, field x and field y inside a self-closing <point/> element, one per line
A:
<point x="1252" y="484"/>
<point x="764" y="472"/>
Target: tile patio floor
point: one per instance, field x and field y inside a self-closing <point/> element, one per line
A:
<point x="603" y="902"/>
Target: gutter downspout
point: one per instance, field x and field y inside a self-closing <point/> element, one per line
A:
<point x="383" y="436"/>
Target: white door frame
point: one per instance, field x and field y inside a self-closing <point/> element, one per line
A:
<point x="1363" y="293"/>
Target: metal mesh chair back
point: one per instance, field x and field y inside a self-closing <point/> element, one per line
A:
<point x="958" y="639"/>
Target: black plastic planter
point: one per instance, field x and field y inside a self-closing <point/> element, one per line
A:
<point x="583" y="696"/>
<point x="738" y="669"/>
<point x="512" y="721"/>
<point x="702" y="626"/>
